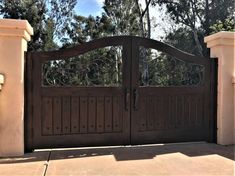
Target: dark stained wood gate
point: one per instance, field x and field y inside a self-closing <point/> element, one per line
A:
<point x="118" y="91"/>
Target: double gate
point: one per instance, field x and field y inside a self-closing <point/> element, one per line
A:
<point x="118" y="91"/>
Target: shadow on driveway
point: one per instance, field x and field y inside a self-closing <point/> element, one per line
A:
<point x="122" y="153"/>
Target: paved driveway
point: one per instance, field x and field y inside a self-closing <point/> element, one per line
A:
<point x="194" y="159"/>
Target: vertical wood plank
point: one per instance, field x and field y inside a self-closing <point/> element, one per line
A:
<point x="66" y="119"/>
<point x="117" y="115"/>
<point x="47" y="116"/>
<point x="186" y="111"/>
<point x="166" y="113"/>
<point x="204" y="110"/>
<point x="176" y="111"/>
<point x="108" y="114"/>
<point x="150" y="113"/>
<point x="83" y="114"/>
<point x="162" y="113"/>
<point x="199" y="110"/>
<point x="172" y="111"/>
<point x="157" y="113"/>
<point x="100" y="114"/>
<point x="75" y="116"/>
<point x="92" y="115"/>
<point x="57" y="115"/>
<point x="143" y="114"/>
<point x="193" y="111"/>
<point x="180" y="110"/>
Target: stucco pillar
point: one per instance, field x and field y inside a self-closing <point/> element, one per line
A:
<point x="14" y="35"/>
<point x="234" y="106"/>
<point x="222" y="46"/>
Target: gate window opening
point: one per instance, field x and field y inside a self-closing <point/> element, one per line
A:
<point x="159" y="69"/>
<point x="99" y="67"/>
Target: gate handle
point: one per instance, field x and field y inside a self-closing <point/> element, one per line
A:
<point x="136" y="99"/>
<point x="127" y="99"/>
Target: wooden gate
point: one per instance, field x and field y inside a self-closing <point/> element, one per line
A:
<point x="118" y="91"/>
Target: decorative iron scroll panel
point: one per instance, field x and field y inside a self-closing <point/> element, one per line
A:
<point x="100" y="67"/>
<point x="116" y="91"/>
<point x="161" y="69"/>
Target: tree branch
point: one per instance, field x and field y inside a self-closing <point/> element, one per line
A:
<point x="146" y="8"/>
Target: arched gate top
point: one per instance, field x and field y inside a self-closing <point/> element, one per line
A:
<point x="134" y="41"/>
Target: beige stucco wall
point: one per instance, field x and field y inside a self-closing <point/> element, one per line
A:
<point x="14" y="35"/>
<point x="222" y="46"/>
<point x="234" y="105"/>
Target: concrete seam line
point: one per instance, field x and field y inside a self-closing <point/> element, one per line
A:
<point x="46" y="164"/>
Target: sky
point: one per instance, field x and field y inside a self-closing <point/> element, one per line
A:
<point x="94" y="8"/>
<point x="89" y="7"/>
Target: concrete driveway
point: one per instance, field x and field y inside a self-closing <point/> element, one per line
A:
<point x="194" y="159"/>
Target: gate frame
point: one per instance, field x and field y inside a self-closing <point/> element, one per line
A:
<point x="29" y="83"/>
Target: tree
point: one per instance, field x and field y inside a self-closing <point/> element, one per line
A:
<point x="49" y="19"/>
<point x="129" y="17"/>
<point x="94" y="68"/>
<point x="197" y="17"/>
<point x="84" y="29"/>
<point x="124" y="16"/>
<point x="227" y="25"/>
<point x="142" y="13"/>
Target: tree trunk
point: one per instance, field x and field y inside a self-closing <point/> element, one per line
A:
<point x="140" y="19"/>
<point x="198" y="44"/>
<point x="148" y="19"/>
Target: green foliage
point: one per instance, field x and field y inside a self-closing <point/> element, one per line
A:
<point x="124" y="16"/>
<point x="227" y="25"/>
<point x="183" y="38"/>
<point x="120" y="17"/>
<point x="197" y="17"/>
<point x="55" y="23"/>
<point x="165" y="70"/>
<point x="84" y="29"/>
<point x="101" y="67"/>
<point x="49" y="19"/>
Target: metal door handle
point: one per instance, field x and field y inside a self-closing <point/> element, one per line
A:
<point x="127" y="99"/>
<point x="136" y="99"/>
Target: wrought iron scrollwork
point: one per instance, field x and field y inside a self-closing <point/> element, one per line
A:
<point x="162" y="70"/>
<point x="100" y="67"/>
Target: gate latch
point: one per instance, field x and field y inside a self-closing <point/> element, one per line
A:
<point x="136" y="99"/>
<point x="127" y="99"/>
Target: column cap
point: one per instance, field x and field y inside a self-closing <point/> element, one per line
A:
<point x="16" y="28"/>
<point x="220" y="39"/>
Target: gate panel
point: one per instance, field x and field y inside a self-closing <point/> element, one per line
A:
<point x="171" y="94"/>
<point x="79" y="95"/>
<point x="116" y="91"/>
